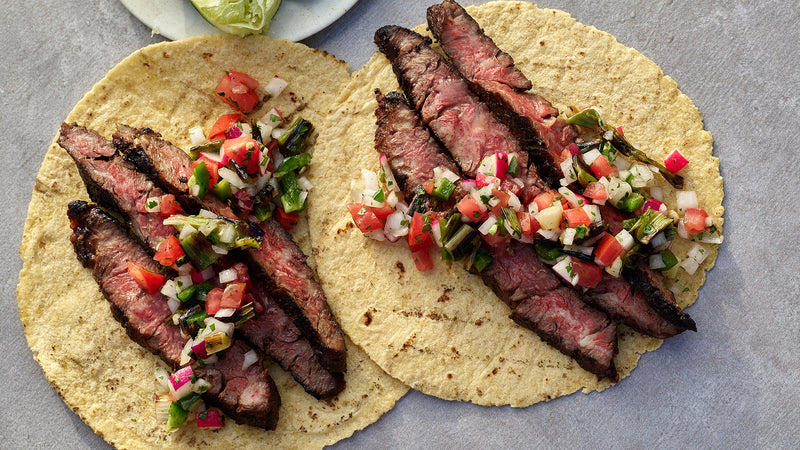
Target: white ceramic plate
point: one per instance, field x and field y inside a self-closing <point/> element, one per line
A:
<point x="295" y="20"/>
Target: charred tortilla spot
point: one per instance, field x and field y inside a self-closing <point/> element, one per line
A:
<point x="367" y="318"/>
<point x="449" y="376"/>
<point x="400" y="267"/>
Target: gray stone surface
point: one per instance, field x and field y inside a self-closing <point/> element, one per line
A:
<point x="733" y="384"/>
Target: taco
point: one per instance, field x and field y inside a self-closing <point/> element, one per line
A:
<point x="105" y="377"/>
<point x="444" y="332"/>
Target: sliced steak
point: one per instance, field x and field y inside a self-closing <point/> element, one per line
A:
<point x="463" y="124"/>
<point x="648" y="284"/>
<point x="518" y="277"/>
<point x="115" y="184"/>
<point x="554" y="312"/>
<point x="625" y="305"/>
<point x="292" y="283"/>
<point x="408" y="145"/>
<point x="532" y="118"/>
<point x="102" y="244"/>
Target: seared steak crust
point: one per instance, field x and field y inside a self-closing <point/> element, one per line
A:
<point x="460" y="121"/>
<point x="532" y="119"/>
<point x="292" y="282"/>
<point x="411" y="150"/>
<point x="102" y="244"/>
<point x="124" y="190"/>
<point x="651" y="285"/>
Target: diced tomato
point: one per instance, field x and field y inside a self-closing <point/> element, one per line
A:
<point x="210" y="418"/>
<point x="169" y="250"/>
<point x="223" y="123"/>
<point x="509" y="186"/>
<point x="588" y="274"/>
<point x="422" y="259"/>
<point x="695" y="220"/>
<point x="596" y="192"/>
<point x="242" y="274"/>
<point x="149" y="281"/>
<point x="382" y="212"/>
<point x="419" y="232"/>
<point x="608" y="250"/>
<point x="502" y="196"/>
<point x="675" y="162"/>
<point x="482" y="180"/>
<point x="212" y="167"/>
<point x="544" y="200"/>
<point x="245" y="151"/>
<point x="601" y="167"/>
<point x="169" y="206"/>
<point x="470" y="209"/>
<point x="232" y="296"/>
<point x="287" y="220"/>
<point x="234" y="89"/>
<point x="428" y="186"/>
<point x="364" y="217"/>
<point x="528" y="224"/>
<point x="213" y="301"/>
<point x="576" y="217"/>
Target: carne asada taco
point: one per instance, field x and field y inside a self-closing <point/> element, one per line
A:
<point x="99" y="371"/>
<point x="444" y="331"/>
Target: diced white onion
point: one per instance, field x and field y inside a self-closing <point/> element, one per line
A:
<point x="568" y="171"/>
<point x="377" y="235"/>
<point x="170" y="291"/>
<point x="593" y="211"/>
<point x="484" y="228"/>
<point x="228" y="275"/>
<point x="642" y="176"/>
<point x="207" y="228"/>
<point x="697" y="254"/>
<point x="231" y="177"/>
<point x="573" y="199"/>
<point x="224" y="312"/>
<point x="436" y="232"/>
<point x="277" y="133"/>
<point x="657" y="193"/>
<point x="196" y="136"/>
<point x="301" y="198"/>
<point x="550" y="217"/>
<point x="617" y="189"/>
<point x="207" y="214"/>
<point x="273" y="118"/>
<point x="224" y="327"/>
<point x="219" y="250"/>
<point x="564" y="269"/>
<point x="685" y="200"/>
<point x="625" y="239"/>
<point x="156" y="202"/>
<point x="305" y="184"/>
<point x="551" y="235"/>
<point x="370" y="180"/>
<point x="394" y="224"/>
<point x="615" y="268"/>
<point x="275" y="86"/>
<point x="622" y="163"/>
<point x="568" y="236"/>
<point x="514" y="202"/>
<point x="250" y="358"/>
<point x="440" y="172"/>
<point x="183" y="282"/>
<point x="656" y="261"/>
<point x="591" y="155"/>
<point x="227" y="234"/>
<point x="658" y="240"/>
<point x="185" y="358"/>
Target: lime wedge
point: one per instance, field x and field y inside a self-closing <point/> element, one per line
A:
<point x="239" y="17"/>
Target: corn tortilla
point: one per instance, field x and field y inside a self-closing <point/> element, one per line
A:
<point x="100" y="373"/>
<point x="444" y="332"/>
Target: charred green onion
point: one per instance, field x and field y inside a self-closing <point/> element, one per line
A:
<point x="292" y="141"/>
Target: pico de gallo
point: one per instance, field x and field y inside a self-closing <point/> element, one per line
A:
<point x="256" y="165"/>
<point x="567" y="226"/>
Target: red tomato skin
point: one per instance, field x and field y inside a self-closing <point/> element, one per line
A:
<point x="495" y="239"/>
<point x="287" y="220"/>
<point x="383" y="212"/>
<point x="589" y="275"/>
<point x="151" y="282"/>
<point x="528" y="224"/>
<point x="601" y="167"/>
<point x="607" y="250"/>
<point x="245" y="151"/>
<point x="428" y="186"/>
<point x="169" y="250"/>
<point x="576" y="217"/>
<point x="469" y="208"/>
<point x="169" y="206"/>
<point x="223" y="123"/>
<point x="544" y="200"/>
<point x="244" y="78"/>
<point x="365" y="219"/>
<point x="422" y="259"/>
<point x="509" y="186"/>
<point x="418" y="237"/>
<point x="596" y="191"/>
<point x="236" y="93"/>
<point x="213" y="301"/>
<point x="232" y="296"/>
<point x="695" y="220"/>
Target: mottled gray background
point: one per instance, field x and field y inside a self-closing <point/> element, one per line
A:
<point x="733" y="384"/>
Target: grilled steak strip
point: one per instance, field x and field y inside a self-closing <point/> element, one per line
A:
<point x="555" y="312"/>
<point x="460" y="121"/>
<point x="102" y="244"/>
<point x="292" y="283"/>
<point x="647" y="283"/>
<point x="408" y="145"/>
<point x="116" y="185"/>
<point x="531" y="118"/>
<point x="519" y="278"/>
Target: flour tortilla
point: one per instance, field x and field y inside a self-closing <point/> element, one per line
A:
<point x="444" y="332"/>
<point x="100" y="373"/>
